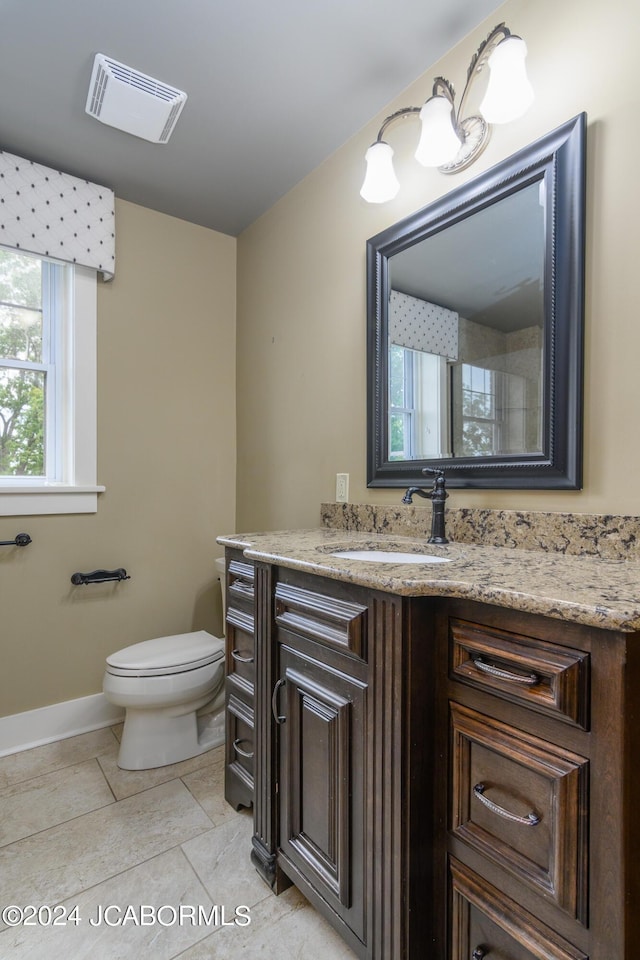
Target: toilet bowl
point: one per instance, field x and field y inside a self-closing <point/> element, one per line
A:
<point x="172" y="689"/>
<point x="162" y="683"/>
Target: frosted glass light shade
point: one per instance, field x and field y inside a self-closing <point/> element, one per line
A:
<point x="439" y="142"/>
<point x="380" y="181"/>
<point x="509" y="93"/>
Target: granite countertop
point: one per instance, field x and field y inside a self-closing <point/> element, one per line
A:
<point x="581" y="589"/>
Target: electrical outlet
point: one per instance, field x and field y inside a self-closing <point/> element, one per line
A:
<point x="342" y="487"/>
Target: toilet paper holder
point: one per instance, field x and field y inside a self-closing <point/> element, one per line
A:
<point x="99" y="576"/>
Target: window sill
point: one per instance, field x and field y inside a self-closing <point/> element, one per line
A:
<point x="20" y="500"/>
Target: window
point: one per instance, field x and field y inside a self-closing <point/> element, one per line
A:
<point x="418" y="418"/>
<point x="481" y="422"/>
<point x="47" y="386"/>
<point x="401" y="403"/>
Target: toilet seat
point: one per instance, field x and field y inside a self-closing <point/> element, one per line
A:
<point x="166" y="655"/>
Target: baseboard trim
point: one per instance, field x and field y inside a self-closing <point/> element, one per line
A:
<point x="33" y="728"/>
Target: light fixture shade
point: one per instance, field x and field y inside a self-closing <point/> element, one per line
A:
<point x="439" y="142"/>
<point x="509" y="93"/>
<point x="380" y="181"/>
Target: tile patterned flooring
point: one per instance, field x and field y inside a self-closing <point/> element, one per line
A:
<point x="78" y="832"/>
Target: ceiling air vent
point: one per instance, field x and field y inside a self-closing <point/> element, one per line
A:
<point x="133" y="102"/>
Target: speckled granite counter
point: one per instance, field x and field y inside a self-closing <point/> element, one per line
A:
<point x="608" y="536"/>
<point x="582" y="589"/>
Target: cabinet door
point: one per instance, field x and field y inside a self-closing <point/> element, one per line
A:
<point x="321" y="712"/>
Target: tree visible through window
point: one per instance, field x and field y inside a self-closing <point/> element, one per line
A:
<point x="24" y="340"/>
<point x="401" y="403"/>
<point x="480" y="419"/>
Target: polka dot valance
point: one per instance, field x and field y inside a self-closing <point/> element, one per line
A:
<point x="419" y="325"/>
<point x="53" y="214"/>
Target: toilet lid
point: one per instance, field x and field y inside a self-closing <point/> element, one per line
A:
<point x="174" y="654"/>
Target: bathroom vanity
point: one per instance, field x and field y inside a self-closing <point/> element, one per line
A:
<point x="445" y="757"/>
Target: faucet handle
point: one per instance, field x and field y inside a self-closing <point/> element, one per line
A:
<point x="438" y="491"/>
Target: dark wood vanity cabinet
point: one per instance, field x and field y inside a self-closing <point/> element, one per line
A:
<point x="240" y="680"/>
<point x="444" y="778"/>
<point x="343" y="805"/>
<point x="538" y="745"/>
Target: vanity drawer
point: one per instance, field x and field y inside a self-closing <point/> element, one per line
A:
<point x="522" y="803"/>
<point x="240" y="584"/>
<point x="486" y="923"/>
<point x="240" y="625"/>
<point x="240" y="738"/>
<point x="535" y="673"/>
<point x="335" y="623"/>
<point x="241" y="649"/>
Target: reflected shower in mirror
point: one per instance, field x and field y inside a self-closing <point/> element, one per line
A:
<point x="475" y="316"/>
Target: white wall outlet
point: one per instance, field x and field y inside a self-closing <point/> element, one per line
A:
<point x="342" y="487"/>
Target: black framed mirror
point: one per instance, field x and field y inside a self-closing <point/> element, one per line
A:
<point x="475" y="312"/>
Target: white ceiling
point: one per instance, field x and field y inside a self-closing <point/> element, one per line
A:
<point x="273" y="89"/>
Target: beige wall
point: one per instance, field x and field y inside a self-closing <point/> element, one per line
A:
<point x="167" y="346"/>
<point x="166" y="454"/>
<point x="301" y="283"/>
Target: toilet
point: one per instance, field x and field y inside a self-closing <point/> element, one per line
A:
<point x="172" y="689"/>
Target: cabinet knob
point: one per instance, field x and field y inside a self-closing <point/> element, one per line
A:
<point x="479" y="953"/>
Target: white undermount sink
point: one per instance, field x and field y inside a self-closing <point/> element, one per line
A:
<point x="388" y="556"/>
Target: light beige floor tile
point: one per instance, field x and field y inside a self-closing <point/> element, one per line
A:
<point x="207" y="786"/>
<point x="166" y="883"/>
<point x="117" y="731"/>
<point x="54" y="756"/>
<point x="42" y="802"/>
<point x="60" y="862"/>
<point x="284" y="926"/>
<point x="125" y="783"/>
<point x="221" y="858"/>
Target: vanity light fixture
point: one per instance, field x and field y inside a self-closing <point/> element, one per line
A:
<point x="449" y="140"/>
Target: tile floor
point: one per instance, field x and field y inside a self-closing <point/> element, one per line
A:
<point x="78" y="835"/>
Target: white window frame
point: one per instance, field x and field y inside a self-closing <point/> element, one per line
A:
<point x="75" y="489"/>
<point x="407" y="410"/>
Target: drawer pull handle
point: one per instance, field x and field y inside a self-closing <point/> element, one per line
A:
<point x="243" y="753"/>
<point x="479" y="953"/>
<point x="530" y="820"/>
<point x="279" y="719"/>
<point x="528" y="679"/>
<point x="238" y="656"/>
<point x="241" y="586"/>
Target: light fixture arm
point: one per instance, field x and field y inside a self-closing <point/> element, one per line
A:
<point x="401" y="114"/>
<point x="442" y="88"/>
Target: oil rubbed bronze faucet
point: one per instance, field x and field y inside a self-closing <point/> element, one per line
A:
<point x="437" y="495"/>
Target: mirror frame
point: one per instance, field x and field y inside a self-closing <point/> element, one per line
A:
<point x="557" y="159"/>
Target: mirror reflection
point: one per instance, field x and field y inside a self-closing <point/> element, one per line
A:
<point x="475" y="308"/>
<point x="466" y="336"/>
